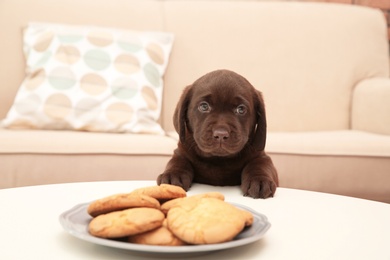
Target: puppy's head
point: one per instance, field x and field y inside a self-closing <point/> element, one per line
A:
<point x="221" y="112"/>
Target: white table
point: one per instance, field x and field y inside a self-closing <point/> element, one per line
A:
<point x="305" y="225"/>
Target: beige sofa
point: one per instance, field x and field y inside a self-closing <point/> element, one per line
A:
<point x="323" y="70"/>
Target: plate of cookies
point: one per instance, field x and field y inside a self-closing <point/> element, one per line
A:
<point x="163" y="220"/>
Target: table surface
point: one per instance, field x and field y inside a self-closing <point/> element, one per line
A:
<point x="305" y="225"/>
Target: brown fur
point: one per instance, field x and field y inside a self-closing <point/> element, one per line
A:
<point x="221" y="123"/>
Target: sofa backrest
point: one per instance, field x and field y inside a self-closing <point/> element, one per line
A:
<point x="305" y="58"/>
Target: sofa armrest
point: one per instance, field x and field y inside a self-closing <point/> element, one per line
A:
<point x="371" y="106"/>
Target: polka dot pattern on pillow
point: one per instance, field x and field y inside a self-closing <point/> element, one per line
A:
<point x="91" y="79"/>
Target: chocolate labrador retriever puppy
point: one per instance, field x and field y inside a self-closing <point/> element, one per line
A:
<point x="221" y="123"/>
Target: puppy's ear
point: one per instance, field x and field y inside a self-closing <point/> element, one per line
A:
<point x="180" y="116"/>
<point x="260" y="132"/>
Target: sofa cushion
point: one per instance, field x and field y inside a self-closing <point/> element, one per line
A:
<point x="77" y="142"/>
<point x="352" y="163"/>
<point x="306" y="58"/>
<point x="333" y="143"/>
<point x="30" y="157"/>
<point x="91" y="78"/>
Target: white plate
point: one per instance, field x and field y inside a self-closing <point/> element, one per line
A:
<point x="75" y="221"/>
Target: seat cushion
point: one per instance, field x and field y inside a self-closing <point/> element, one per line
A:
<point x="351" y="163"/>
<point x="31" y="157"/>
<point x="343" y="143"/>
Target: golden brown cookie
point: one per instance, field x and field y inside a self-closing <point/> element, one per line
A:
<point x="162" y="192"/>
<point x="121" y="201"/>
<point x="161" y="236"/>
<point x="248" y="218"/>
<point x="126" y="222"/>
<point x="165" y="207"/>
<point x="206" y="221"/>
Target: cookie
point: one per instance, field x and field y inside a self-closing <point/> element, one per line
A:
<point x="248" y="218"/>
<point x="165" y="207"/>
<point x="120" y="202"/>
<point x="206" y="221"/>
<point x="162" y="192"/>
<point x="126" y="222"/>
<point x="161" y="236"/>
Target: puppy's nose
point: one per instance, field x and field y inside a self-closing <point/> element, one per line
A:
<point x="221" y="134"/>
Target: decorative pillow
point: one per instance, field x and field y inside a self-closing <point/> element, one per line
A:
<point x="91" y="79"/>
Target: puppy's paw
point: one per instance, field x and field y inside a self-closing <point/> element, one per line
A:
<point x="183" y="180"/>
<point x="258" y="187"/>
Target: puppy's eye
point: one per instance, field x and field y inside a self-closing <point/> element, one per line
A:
<point x="241" y="110"/>
<point x="204" y="107"/>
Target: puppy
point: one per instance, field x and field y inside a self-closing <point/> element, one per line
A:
<point x="221" y="123"/>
